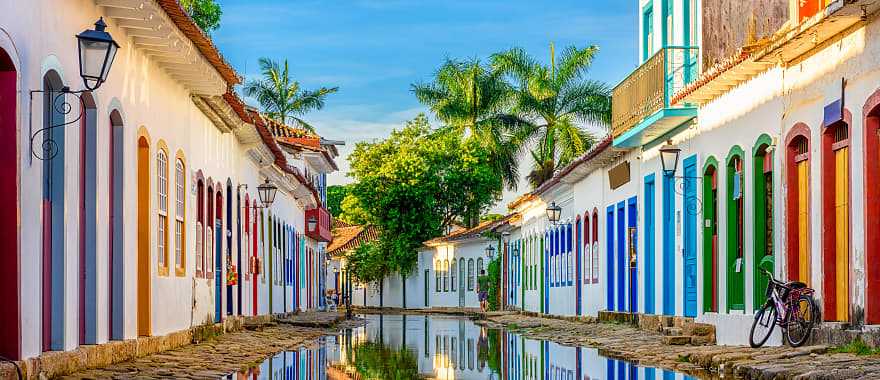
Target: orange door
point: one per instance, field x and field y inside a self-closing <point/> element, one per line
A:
<point x="841" y="231"/>
<point x="143" y="231"/>
<point x="803" y="181"/>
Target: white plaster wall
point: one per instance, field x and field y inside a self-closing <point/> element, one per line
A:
<point x="587" y="199"/>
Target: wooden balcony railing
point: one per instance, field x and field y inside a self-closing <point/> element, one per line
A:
<point x="649" y="88"/>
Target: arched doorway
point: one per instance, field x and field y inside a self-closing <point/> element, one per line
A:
<point x="53" y="151"/>
<point x="797" y="161"/>
<point x="88" y="141"/>
<point x="836" y="221"/>
<point x="144" y="303"/>
<point x="229" y="290"/>
<point x="762" y="182"/>
<point x="710" y="235"/>
<point x="218" y="254"/>
<point x="10" y="282"/>
<point x="871" y="111"/>
<point x="116" y="207"/>
<point x="735" y="251"/>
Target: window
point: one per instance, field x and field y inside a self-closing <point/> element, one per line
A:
<point x="250" y="263"/>
<point x="452" y="272"/>
<point x="480" y="267"/>
<point x="470" y="272"/>
<point x="647" y="32"/>
<point x="437" y="286"/>
<point x="179" y="226"/>
<point x="568" y="247"/>
<point x="588" y="251"/>
<point x="199" y="246"/>
<point x="209" y="251"/>
<point x="595" y="246"/>
<point x="162" y="206"/>
<point x="445" y="275"/>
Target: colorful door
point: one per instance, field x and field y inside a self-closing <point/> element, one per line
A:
<point x="218" y="265"/>
<point x="621" y="256"/>
<point x="461" y="280"/>
<point x="609" y="258"/>
<point x="690" y="237"/>
<point x="763" y="217"/>
<point x="650" y="225"/>
<point x="669" y="284"/>
<point x="632" y="252"/>
<point x="10" y="282"/>
<point x="143" y="256"/>
<point x="735" y="252"/>
<point x="710" y="237"/>
<point x="841" y="232"/>
<point x="803" y="227"/>
<point x="577" y="268"/>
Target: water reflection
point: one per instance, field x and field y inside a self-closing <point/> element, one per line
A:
<point x="432" y="347"/>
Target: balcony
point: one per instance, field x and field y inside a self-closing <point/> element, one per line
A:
<point x="321" y="232"/>
<point x="640" y="108"/>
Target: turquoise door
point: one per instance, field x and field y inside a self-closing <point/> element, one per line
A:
<point x="668" y="245"/>
<point x="632" y="256"/>
<point x="650" y="223"/>
<point x="690" y="237"/>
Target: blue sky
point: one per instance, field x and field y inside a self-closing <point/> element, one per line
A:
<point x="374" y="49"/>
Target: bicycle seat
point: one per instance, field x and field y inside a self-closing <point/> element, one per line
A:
<point x="795" y="285"/>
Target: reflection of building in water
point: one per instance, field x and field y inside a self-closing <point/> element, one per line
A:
<point x="302" y="364"/>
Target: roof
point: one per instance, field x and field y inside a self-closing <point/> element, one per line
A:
<point x="201" y="40"/>
<point x="591" y="154"/>
<point x="468" y="233"/>
<point x="348" y="237"/>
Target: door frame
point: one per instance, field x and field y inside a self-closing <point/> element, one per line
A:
<point x="689" y="200"/>
<point x="650" y="243"/>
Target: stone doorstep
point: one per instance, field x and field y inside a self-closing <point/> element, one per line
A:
<point x="59" y="363"/>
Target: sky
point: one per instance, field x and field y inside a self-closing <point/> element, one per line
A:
<point x="373" y="50"/>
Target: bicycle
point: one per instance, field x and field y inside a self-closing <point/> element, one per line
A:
<point x="789" y="305"/>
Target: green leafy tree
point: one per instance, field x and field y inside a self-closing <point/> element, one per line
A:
<point x="335" y="195"/>
<point x="561" y="99"/>
<point x="352" y="211"/>
<point x="281" y="97"/>
<point x="413" y="185"/>
<point x="474" y="101"/>
<point x="375" y="361"/>
<point x="205" y="13"/>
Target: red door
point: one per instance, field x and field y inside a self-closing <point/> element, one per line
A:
<point x="9" y="257"/>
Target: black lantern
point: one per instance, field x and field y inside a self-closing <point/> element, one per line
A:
<point x="553" y="212"/>
<point x="313" y="222"/>
<point x="267" y="192"/>
<point x="97" y="49"/>
<point x="669" y="159"/>
<point x="490" y="251"/>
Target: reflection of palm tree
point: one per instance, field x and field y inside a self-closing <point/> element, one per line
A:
<point x="560" y="97"/>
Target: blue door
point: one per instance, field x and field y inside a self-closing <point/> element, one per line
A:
<point x="621" y="256"/>
<point x="650" y="223"/>
<point x="578" y="248"/>
<point x="668" y="245"/>
<point x="632" y="254"/>
<point x="690" y="237"/>
<point x="609" y="257"/>
<point x="218" y="270"/>
<point x="547" y="272"/>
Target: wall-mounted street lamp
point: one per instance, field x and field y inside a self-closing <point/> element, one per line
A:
<point x="490" y="251"/>
<point x="669" y="159"/>
<point x="97" y="51"/>
<point x="553" y="213"/>
<point x="312" y="223"/>
<point x="267" y="191"/>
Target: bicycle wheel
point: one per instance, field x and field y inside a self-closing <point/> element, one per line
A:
<point x="800" y="321"/>
<point x="762" y="327"/>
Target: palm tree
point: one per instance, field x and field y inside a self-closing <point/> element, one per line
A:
<point x="281" y="97"/>
<point x="560" y="99"/>
<point x="474" y="101"/>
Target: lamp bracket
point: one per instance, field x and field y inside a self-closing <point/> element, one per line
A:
<point x="693" y="205"/>
<point x="60" y="104"/>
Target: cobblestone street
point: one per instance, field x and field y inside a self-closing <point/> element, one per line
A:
<point x="629" y="343"/>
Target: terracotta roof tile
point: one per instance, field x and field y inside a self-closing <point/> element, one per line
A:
<point x="195" y="34"/>
<point x="467" y="233"/>
<point x="350" y="237"/>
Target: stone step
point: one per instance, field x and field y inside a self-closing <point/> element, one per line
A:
<point x="679" y="340"/>
<point x="671" y="331"/>
<point x="698" y="329"/>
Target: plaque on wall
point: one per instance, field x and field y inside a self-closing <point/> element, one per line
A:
<point x="618" y="175"/>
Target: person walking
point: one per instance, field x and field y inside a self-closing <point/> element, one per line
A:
<point x="483" y="290"/>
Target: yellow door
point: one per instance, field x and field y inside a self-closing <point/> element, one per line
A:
<point x="841" y="232"/>
<point x="803" y="172"/>
<point x="143" y="238"/>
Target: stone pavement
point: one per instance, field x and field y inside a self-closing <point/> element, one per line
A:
<point x="626" y="342"/>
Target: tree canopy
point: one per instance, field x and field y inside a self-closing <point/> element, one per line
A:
<point x="205" y="13"/>
<point x="411" y="186"/>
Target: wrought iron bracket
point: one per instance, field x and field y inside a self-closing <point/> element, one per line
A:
<point x="49" y="148"/>
<point x="694" y="208"/>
